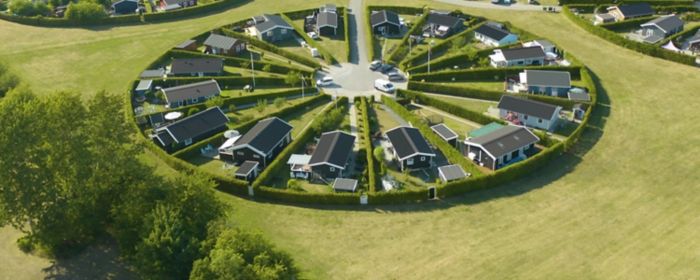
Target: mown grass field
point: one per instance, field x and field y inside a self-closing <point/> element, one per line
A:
<point x="622" y="205"/>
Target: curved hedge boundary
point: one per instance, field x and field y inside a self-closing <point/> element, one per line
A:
<point x="126" y="19"/>
<point x="487" y="74"/>
<point x="651" y="50"/>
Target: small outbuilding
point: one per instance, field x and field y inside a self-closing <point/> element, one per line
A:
<point x="445" y="133"/>
<point x="247" y="171"/>
<point x="452" y="172"/>
<point x="223" y="45"/>
<point x="345" y="185"/>
<point x="125" y="7"/>
<point x="190" y="45"/>
<point x="143" y="87"/>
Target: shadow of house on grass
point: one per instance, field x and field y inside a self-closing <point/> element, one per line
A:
<point x="99" y="261"/>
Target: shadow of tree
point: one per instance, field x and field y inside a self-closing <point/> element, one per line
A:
<point x="100" y="261"/>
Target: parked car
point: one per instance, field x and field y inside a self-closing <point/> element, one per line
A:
<point x="395" y="77"/>
<point x="325" y="81"/>
<point x="386" y="68"/>
<point x="375" y="65"/>
<point x="384" y="85"/>
<point x="313" y="35"/>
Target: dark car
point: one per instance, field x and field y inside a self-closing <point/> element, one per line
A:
<point x="386" y="68"/>
<point x="395" y="77"/>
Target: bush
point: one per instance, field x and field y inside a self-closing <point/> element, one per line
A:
<point x="192" y="111"/>
<point x="85" y="11"/>
<point x="29" y="8"/>
<point x="279" y="102"/>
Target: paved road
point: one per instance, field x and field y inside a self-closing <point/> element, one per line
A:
<point x="487" y="5"/>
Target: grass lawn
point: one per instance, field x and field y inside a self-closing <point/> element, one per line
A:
<point x="335" y="45"/>
<point x="603" y="210"/>
<point x="243" y="115"/>
<point x="301" y="119"/>
<point x="458" y="127"/>
<point x="384" y="119"/>
<point x="469" y="104"/>
<point x="495" y="86"/>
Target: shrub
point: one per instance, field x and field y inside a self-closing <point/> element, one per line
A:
<point x="85" y="11"/>
<point x="279" y="102"/>
<point x="192" y="111"/>
<point x="28" y="8"/>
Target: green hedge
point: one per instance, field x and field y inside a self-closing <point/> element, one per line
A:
<point x="238" y="62"/>
<point x="446" y="62"/>
<point x="439" y="47"/>
<point x="487" y="74"/>
<point x="371" y="55"/>
<point x="448" y="107"/>
<point x="402" y="48"/>
<point x="307" y="198"/>
<point x="367" y="138"/>
<point x="308" y="61"/>
<point x="280" y="162"/>
<point x="614" y="38"/>
<point x="327" y="57"/>
<point x="452" y="154"/>
<point x="626" y="24"/>
<point x="225" y="82"/>
<point x="398" y="9"/>
<point x="346" y="30"/>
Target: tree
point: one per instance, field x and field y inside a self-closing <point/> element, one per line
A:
<point x="7" y="79"/>
<point x="85" y="11"/>
<point x="215" y="102"/>
<point x="232" y="108"/>
<point x="279" y="102"/>
<point x="192" y="111"/>
<point x="292" y="78"/>
<point x="241" y="255"/>
<point x="457" y="44"/>
<point x="267" y="68"/>
<point x="262" y="104"/>
<point x="329" y="121"/>
<point x="21" y="7"/>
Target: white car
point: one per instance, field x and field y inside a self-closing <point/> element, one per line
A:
<point x="384" y="85"/>
<point x="325" y="81"/>
<point x="313" y="35"/>
<point x="375" y="65"/>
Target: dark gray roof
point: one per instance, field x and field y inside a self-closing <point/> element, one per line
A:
<point x="342" y="184"/>
<point x="692" y="40"/>
<point x="196" y="125"/>
<point x="157" y="73"/>
<point x="443" y="20"/>
<point x="666" y="23"/>
<point x="492" y="32"/>
<point x="408" y="141"/>
<point x="327" y="19"/>
<point x="333" y="148"/>
<point x="636" y="10"/>
<point x="220" y="41"/>
<point x="144" y="85"/>
<point x="172" y="2"/>
<point x="196" y="65"/>
<point x="527" y="107"/>
<point x="185" y="44"/>
<point x="246" y="167"/>
<point x="579" y="96"/>
<point x="384" y="16"/>
<point x="523" y="53"/>
<point x="444" y="131"/>
<point x="452" y="172"/>
<point x="191" y="91"/>
<point x="272" y="22"/>
<point x="548" y="78"/>
<point x="505" y="140"/>
<point x="265" y="134"/>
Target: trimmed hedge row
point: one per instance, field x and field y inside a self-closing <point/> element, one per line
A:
<point x="327" y="57"/>
<point x="239" y="62"/>
<point x="371" y="55"/>
<point x="614" y="38"/>
<point x="401" y="49"/>
<point x="399" y="9"/>
<point x="272" y="48"/>
<point x="487" y="74"/>
<point x="280" y="162"/>
<point x="346" y="30"/>
<point x="447" y="61"/>
<point x="442" y="46"/>
<point x="448" y="107"/>
<point x="626" y="24"/>
<point x="450" y="152"/>
<point x="366" y="129"/>
<point x="224" y="82"/>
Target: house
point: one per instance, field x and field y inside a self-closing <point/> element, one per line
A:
<point x="692" y="44"/>
<point x="508" y="144"/>
<point x="299" y="166"/>
<point x="552" y="83"/>
<point x="527" y="112"/>
<point x="445" y="133"/>
<point x="156" y="73"/>
<point x="248" y="171"/>
<point x="169" y="5"/>
<point x="546" y="45"/>
<point x="442" y="25"/>
<point x="452" y="172"/>
<point x="345" y="185"/>
<point x="327" y="23"/>
<point x="190" y="45"/>
<point x="197" y="67"/>
<point x="143" y="86"/>
<point x="223" y="45"/>
<point x="523" y="56"/>
<point x="603" y="18"/>
<point x="494" y="36"/>
<point x="656" y="30"/>
<point x="410" y="149"/>
<point x="263" y="142"/>
<point x="190" y="93"/>
<point x="124" y="7"/>
<point x="60" y="11"/>
<point x="191" y="129"/>
<point x="630" y="11"/>
<point x="385" y="23"/>
<point x="332" y="154"/>
<point x="272" y="28"/>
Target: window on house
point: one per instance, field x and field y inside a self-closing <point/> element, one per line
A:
<point x="239" y="153"/>
<point x="539" y="120"/>
<point x="422" y="158"/>
<point x="332" y="169"/>
<point x="188" y="141"/>
<point x="268" y="33"/>
<point x="409" y="161"/>
<point x="525" y="117"/>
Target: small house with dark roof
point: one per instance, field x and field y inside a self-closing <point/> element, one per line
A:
<point x="125" y="7"/>
<point x="656" y="30"/>
<point x="692" y="44"/>
<point x="197" y="67"/>
<point x="410" y="149"/>
<point x="263" y="142"/>
<point x="272" y="28"/>
<point x="523" y="56"/>
<point x="501" y="147"/>
<point x="445" y="133"/>
<point x="327" y="23"/>
<point x="385" y="23"/>
<point x="223" y="45"/>
<point x="248" y="171"/>
<point x="190" y="45"/>
<point x="630" y="11"/>
<point x="191" y="93"/>
<point x="551" y="83"/>
<point x="452" y="172"/>
<point x="521" y="111"/>
<point x="331" y="157"/>
<point x="344" y="185"/>
<point x="192" y="129"/>
<point x="169" y="5"/>
<point x="494" y="36"/>
<point x="442" y="25"/>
